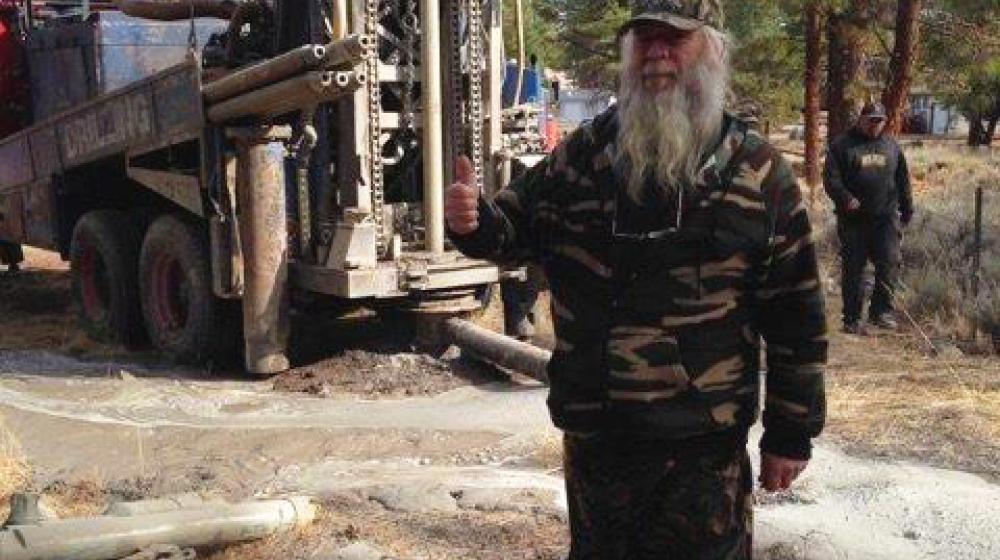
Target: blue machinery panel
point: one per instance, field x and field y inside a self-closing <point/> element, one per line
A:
<point x="146" y="115"/>
<point x="73" y="63"/>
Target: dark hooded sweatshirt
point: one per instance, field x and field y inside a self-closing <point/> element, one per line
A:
<point x="871" y="170"/>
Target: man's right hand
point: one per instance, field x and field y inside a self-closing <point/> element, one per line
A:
<point x="461" y="203"/>
<point x="853" y="205"/>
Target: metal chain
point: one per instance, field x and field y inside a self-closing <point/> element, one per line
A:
<point x="375" y="126"/>
<point x="410" y="22"/>
<point x="476" y="58"/>
<point x="454" y="58"/>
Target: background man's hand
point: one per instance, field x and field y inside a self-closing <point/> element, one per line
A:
<point x="777" y="473"/>
<point x="461" y="202"/>
<point x="853" y="205"/>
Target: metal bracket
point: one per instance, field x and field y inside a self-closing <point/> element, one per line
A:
<point x="185" y="190"/>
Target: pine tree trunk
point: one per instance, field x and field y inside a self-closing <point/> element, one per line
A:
<point x="978" y="135"/>
<point x="843" y="66"/>
<point x="901" y="64"/>
<point x="814" y="56"/>
<point x="846" y="34"/>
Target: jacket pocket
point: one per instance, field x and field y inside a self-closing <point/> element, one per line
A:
<point x="644" y="365"/>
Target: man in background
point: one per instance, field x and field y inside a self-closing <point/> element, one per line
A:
<point x="866" y="176"/>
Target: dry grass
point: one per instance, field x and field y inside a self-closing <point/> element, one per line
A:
<point x="474" y="535"/>
<point x="37" y="310"/>
<point x="35" y="305"/>
<point x="548" y="452"/>
<point x="83" y="497"/>
<point x="888" y="398"/>
<point x="15" y="471"/>
<point x="938" y="248"/>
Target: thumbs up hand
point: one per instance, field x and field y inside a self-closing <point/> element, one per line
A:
<point x="461" y="203"/>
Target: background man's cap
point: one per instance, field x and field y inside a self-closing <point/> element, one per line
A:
<point x="681" y="14"/>
<point x="873" y="111"/>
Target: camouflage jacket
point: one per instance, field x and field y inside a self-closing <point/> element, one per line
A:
<point x="658" y="329"/>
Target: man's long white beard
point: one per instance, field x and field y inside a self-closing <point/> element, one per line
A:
<point x="666" y="135"/>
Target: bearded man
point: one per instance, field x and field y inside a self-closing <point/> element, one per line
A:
<point x="674" y="240"/>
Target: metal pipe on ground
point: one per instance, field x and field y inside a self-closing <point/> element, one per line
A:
<point x="499" y="349"/>
<point x="189" y="500"/>
<point x="260" y="192"/>
<point x="107" y="537"/>
<point x="173" y="10"/>
<point x="273" y="70"/>
<point x="307" y="90"/>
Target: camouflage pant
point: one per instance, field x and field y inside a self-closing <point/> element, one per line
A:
<point x="633" y="500"/>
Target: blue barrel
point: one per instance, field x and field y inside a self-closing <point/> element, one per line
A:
<point x="531" y="87"/>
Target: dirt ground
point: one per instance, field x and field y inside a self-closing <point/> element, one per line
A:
<point x="377" y="374"/>
<point x="414" y="456"/>
<point x="888" y="399"/>
<point x="480" y="535"/>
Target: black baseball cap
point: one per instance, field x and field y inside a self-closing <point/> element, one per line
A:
<point x="874" y="111"/>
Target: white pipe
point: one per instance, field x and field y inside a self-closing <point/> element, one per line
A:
<point x="106" y="537"/>
<point x="498" y="70"/>
<point x="340" y="25"/>
<point x="189" y="500"/>
<point x="519" y="23"/>
<point x="433" y="148"/>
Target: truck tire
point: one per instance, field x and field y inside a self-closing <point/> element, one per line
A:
<point x="103" y="258"/>
<point x="183" y="317"/>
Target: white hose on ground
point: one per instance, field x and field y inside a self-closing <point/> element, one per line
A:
<point x="109" y="537"/>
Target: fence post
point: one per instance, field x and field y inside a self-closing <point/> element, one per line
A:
<point x="977" y="250"/>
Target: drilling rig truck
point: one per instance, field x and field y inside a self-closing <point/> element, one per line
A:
<point x="206" y="165"/>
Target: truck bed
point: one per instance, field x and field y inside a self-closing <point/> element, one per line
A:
<point x="163" y="109"/>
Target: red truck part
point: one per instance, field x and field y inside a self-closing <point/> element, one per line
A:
<point x="13" y="86"/>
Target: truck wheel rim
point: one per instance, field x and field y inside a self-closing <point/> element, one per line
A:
<point x="94" y="283"/>
<point x="170" y="294"/>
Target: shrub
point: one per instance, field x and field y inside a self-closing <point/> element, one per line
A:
<point x="938" y="247"/>
<point x="930" y="292"/>
<point x="15" y="472"/>
<point x="986" y="312"/>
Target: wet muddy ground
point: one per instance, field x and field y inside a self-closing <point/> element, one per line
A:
<point x="418" y="456"/>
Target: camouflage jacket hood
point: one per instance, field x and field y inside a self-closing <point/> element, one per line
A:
<point x="659" y="328"/>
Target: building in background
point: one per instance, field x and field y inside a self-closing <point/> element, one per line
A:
<point x="579" y="105"/>
<point x="928" y="115"/>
